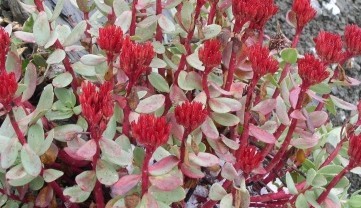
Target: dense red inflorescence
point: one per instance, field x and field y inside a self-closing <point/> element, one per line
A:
<point x="135" y="58"/>
<point x="110" y="39"/>
<point x="4" y="48"/>
<point x="190" y="115"/>
<point x="311" y="70"/>
<point x="329" y="47"/>
<point x="261" y="62"/>
<point x="8" y="88"/>
<point x="249" y="159"/>
<point x="210" y="54"/>
<point x="151" y="131"/>
<point x="352" y="38"/>
<point x="304" y="13"/>
<point x="354" y="150"/>
<point x="97" y="107"/>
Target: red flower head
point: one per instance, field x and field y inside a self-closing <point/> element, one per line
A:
<point x="311" y="70"/>
<point x="97" y="106"/>
<point x="8" y="88"/>
<point x="151" y="131"/>
<point x="261" y="62"/>
<point x="210" y="54"/>
<point x="256" y="11"/>
<point x="135" y="58"/>
<point x="190" y="115"/>
<point x="249" y="159"/>
<point x="329" y="47"/>
<point x="354" y="150"/>
<point x="304" y="13"/>
<point x="4" y="48"/>
<point x="353" y="39"/>
<point x="110" y="39"/>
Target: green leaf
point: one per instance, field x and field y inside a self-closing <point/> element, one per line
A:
<point x="354" y="201"/>
<point x="30" y="160"/>
<point x="106" y="173"/>
<point x="46" y="143"/>
<point x="150" y="104"/>
<point x="321" y="88"/>
<point x="289" y="55"/>
<point x="76" y="194"/>
<point x="290" y="184"/>
<point x="66" y="132"/>
<point x="10" y="153"/>
<point x="17" y="176"/>
<point x="56" y="57"/>
<point x="75" y="34"/>
<point x="319" y="181"/>
<point x="166" y="24"/>
<point x="158" y="82"/>
<point x="57" y="10"/>
<point x="226" y="201"/>
<point x="86" y="180"/>
<point x="194" y="61"/>
<point x="62" y="80"/>
<point x="158" y="47"/>
<point x="41" y="29"/>
<point x="217" y="192"/>
<point x="211" y="31"/>
<point x="301" y="201"/>
<point x="50" y="175"/>
<point x="157" y="63"/>
<point x="167" y="197"/>
<point x="30" y="79"/>
<point x="186" y="14"/>
<point x="66" y="96"/>
<point x="225" y="119"/>
<point x="83" y="69"/>
<point x="311" y="173"/>
<point x="36" y="137"/>
<point x="330" y="170"/>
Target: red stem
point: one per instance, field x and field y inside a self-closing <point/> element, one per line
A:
<point x="39" y="5"/>
<point x="270" y="197"/>
<point x="145" y="178"/>
<point x="205" y="87"/>
<point x="98" y="192"/>
<point x="183" y="147"/>
<point x="133" y="21"/>
<point x="212" y="12"/>
<point x="71" y="161"/>
<point x="158" y="33"/>
<point x="17" y="130"/>
<point x="333" y="183"/>
<point x="126" y="124"/>
<point x="59" y="192"/>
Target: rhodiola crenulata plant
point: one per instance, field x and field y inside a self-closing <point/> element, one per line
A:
<point x="175" y="103"/>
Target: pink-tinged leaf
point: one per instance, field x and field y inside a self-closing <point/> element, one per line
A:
<point x="106" y="173"/>
<point x="148" y="201"/>
<point x="31" y="162"/>
<point x="329" y="203"/>
<point x="10" y="153"/>
<point x="166" y="24"/>
<point x="237" y="89"/>
<point x="306" y="140"/>
<point x="259" y="170"/>
<point x="25" y="36"/>
<point x="281" y="111"/>
<point x="194" y="80"/>
<point x="204" y="159"/>
<point x="352" y="81"/>
<point x="209" y="128"/>
<point x="225" y="4"/>
<point x="230" y="143"/>
<point x="342" y="104"/>
<point x="177" y="95"/>
<point x="163" y="166"/>
<point x="110" y="147"/>
<point x="219" y="89"/>
<point x="225" y="119"/>
<point x="150" y="104"/>
<point x="192" y="171"/>
<point x="318" y="118"/>
<point x="218" y="106"/>
<point x="16" y="172"/>
<point x="201" y="97"/>
<point x="261" y="134"/>
<point x="270" y="126"/>
<point x="167" y="182"/>
<point x="87" y="150"/>
<point x="44" y="197"/>
<point x="265" y="107"/>
<point x="14" y="64"/>
<point x="71" y="153"/>
<point x="294" y="96"/>
<point x="125" y="184"/>
<point x="175" y="129"/>
<point x="229" y="172"/>
<point x="231" y="104"/>
<point x="86" y="180"/>
<point x="313" y="95"/>
<point x="227" y="157"/>
<point x="29" y="81"/>
<point x="297" y="114"/>
<point x="217" y="145"/>
<point x="291" y="18"/>
<point x="92" y="60"/>
<point x="50" y="175"/>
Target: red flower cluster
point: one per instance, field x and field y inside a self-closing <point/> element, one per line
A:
<point x="261" y="62"/>
<point x="110" y="40"/>
<point x="135" y="58"/>
<point x="190" y="115"/>
<point x="97" y="107"/>
<point x="304" y="13"/>
<point x="311" y="70"/>
<point x="354" y="150"/>
<point x="256" y="11"/>
<point x="249" y="158"/>
<point x="8" y="88"/>
<point x="353" y="39"/>
<point x="210" y="54"/>
<point x="329" y="47"/>
<point x="4" y="48"/>
<point x="151" y="131"/>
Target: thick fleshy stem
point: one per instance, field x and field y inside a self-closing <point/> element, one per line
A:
<point x="271" y="197"/>
<point x="212" y="12"/>
<point x="288" y="138"/>
<point x="333" y="183"/>
<point x="127" y="109"/>
<point x="59" y="192"/>
<point x="39" y="5"/>
<point x="16" y="127"/>
<point x="98" y="192"/>
<point x="145" y="176"/>
<point x="233" y="60"/>
<point x="183" y="147"/>
<point x="133" y="21"/>
<point x="205" y="87"/>
<point x="158" y="33"/>
<point x="87" y="34"/>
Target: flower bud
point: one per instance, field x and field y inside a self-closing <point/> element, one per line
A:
<point x="329" y="47"/>
<point x="110" y="39"/>
<point x="354" y="150"/>
<point x="261" y="62"/>
<point x="151" y="131"/>
<point x="210" y="54"/>
<point x="249" y="158"/>
<point x="8" y="88"/>
<point x="190" y="115"/>
<point x="304" y="13"/>
<point x="311" y="70"/>
<point x="353" y="39"/>
<point x="4" y="48"/>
